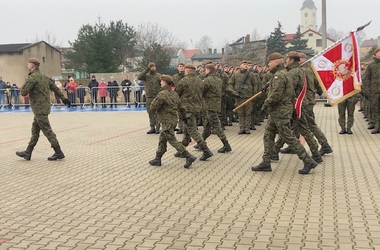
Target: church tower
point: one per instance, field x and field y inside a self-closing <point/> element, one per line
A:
<point x="308" y="16"/>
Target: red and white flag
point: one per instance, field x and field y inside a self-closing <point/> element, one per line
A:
<point x="338" y="69"/>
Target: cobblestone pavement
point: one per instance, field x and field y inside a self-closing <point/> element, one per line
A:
<point x="105" y="195"/>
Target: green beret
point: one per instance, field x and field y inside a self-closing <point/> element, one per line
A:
<point x="190" y="66"/>
<point x="293" y="54"/>
<point x="151" y="64"/>
<point x="34" y="61"/>
<point x="168" y="79"/>
<point x="275" y="56"/>
<point x="210" y="66"/>
<point x="377" y="50"/>
<point x="302" y="55"/>
<point x="244" y="61"/>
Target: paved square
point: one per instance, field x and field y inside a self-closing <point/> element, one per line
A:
<point x="105" y="195"/>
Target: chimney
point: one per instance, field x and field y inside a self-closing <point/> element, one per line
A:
<point x="214" y="51"/>
<point x="222" y="54"/>
<point x="209" y="50"/>
<point x="247" y="38"/>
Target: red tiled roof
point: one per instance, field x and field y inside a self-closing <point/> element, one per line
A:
<point x="288" y="37"/>
<point x="190" y="52"/>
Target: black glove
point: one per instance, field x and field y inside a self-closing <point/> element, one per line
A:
<point x="364" y="95"/>
<point x="265" y="86"/>
<point x="184" y="120"/>
<point x="66" y="102"/>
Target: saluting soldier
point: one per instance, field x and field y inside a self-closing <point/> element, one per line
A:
<point x="167" y="105"/>
<point x="38" y="87"/>
<point x="279" y="105"/>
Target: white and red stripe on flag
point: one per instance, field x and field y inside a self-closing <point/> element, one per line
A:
<point x="338" y="70"/>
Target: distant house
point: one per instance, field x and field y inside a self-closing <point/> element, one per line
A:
<point x="14" y="60"/>
<point x="198" y="59"/>
<point x="245" y="49"/>
<point x="367" y="45"/>
<point x="189" y="53"/>
<point x="176" y="56"/>
<point x="314" y="40"/>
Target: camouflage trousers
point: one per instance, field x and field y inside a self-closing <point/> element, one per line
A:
<point x="375" y="109"/>
<point x="41" y="123"/>
<point x="223" y="110"/>
<point x="213" y="122"/>
<point x="283" y="127"/>
<point x="244" y="114"/>
<point x="255" y="114"/>
<point x="317" y="132"/>
<point x="153" y="122"/>
<point x="166" y="136"/>
<point x="349" y="105"/>
<point x="300" y="126"/>
<point x="190" y="130"/>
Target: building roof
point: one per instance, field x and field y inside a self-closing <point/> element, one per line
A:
<point x="190" y="52"/>
<point x="308" y="4"/>
<point x="206" y="56"/>
<point x="288" y="37"/>
<point x="10" y="48"/>
<point x="369" y="43"/>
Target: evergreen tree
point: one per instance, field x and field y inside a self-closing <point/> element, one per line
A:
<point x="157" y="54"/>
<point x="275" y="42"/>
<point x="298" y="43"/>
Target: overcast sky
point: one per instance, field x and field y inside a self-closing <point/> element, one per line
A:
<point x="222" y="20"/>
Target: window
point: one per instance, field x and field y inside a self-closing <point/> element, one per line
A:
<point x="310" y="34"/>
<point x="306" y="14"/>
<point x="319" y="42"/>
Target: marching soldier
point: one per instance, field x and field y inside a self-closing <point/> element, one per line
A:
<point x="176" y="78"/>
<point x="279" y="104"/>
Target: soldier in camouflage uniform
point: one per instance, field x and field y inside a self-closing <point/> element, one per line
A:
<point x="38" y="87"/>
<point x="190" y="90"/>
<point x="167" y="106"/>
<point x="372" y="80"/>
<point x="349" y="105"/>
<point x="152" y="81"/>
<point x="279" y="104"/>
<point x="243" y="90"/>
<point x="297" y="78"/>
<point x="176" y="78"/>
<point x="212" y="93"/>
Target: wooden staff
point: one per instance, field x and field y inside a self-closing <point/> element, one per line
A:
<point x="247" y="101"/>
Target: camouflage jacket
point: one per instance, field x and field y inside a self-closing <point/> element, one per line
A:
<point x="166" y="105"/>
<point x="297" y="78"/>
<point x="178" y="77"/>
<point x="190" y="89"/>
<point x="372" y="77"/>
<point x="312" y="84"/>
<point x="152" y="82"/>
<point x="280" y="100"/>
<point x="212" y="92"/>
<point x="38" y="86"/>
<point x="225" y="79"/>
<point x="248" y="87"/>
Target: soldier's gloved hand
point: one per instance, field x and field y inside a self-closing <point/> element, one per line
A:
<point x="66" y="102"/>
<point x="184" y="120"/>
<point x="265" y="87"/>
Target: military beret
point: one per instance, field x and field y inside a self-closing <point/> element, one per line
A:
<point x="275" y="56"/>
<point x="190" y="66"/>
<point x="151" y="64"/>
<point x="249" y="62"/>
<point x="34" y="61"/>
<point x="167" y="79"/>
<point x="293" y="54"/>
<point x="208" y="62"/>
<point x="302" y="55"/>
<point x="210" y="66"/>
<point x="377" y="50"/>
<point x="244" y="61"/>
<point x="181" y="64"/>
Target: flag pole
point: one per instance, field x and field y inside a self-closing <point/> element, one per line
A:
<point x="337" y="42"/>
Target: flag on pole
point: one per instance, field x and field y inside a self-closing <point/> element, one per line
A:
<point x="299" y="99"/>
<point x="338" y="69"/>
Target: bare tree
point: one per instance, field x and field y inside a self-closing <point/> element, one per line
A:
<point x="361" y="36"/>
<point x="204" y="44"/>
<point x="335" y="34"/>
<point x="255" y="35"/>
<point x="149" y="34"/>
<point x="50" y="38"/>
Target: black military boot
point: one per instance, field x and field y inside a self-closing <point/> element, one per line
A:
<point x="349" y="131"/>
<point x="370" y="127"/>
<point x="376" y="130"/>
<point x="325" y="150"/>
<point x="206" y="153"/>
<point x="156" y="161"/>
<point x="263" y="167"/>
<point x="307" y="167"/>
<point x="343" y="131"/>
<point x="252" y="127"/>
<point x="189" y="159"/>
<point x="317" y="158"/>
<point x="197" y="147"/>
<point x="288" y="150"/>
<point x="152" y="130"/>
<point x="226" y="147"/>
<point x="275" y="157"/>
<point x="27" y="154"/>
<point x="158" y="129"/>
<point x="57" y="155"/>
